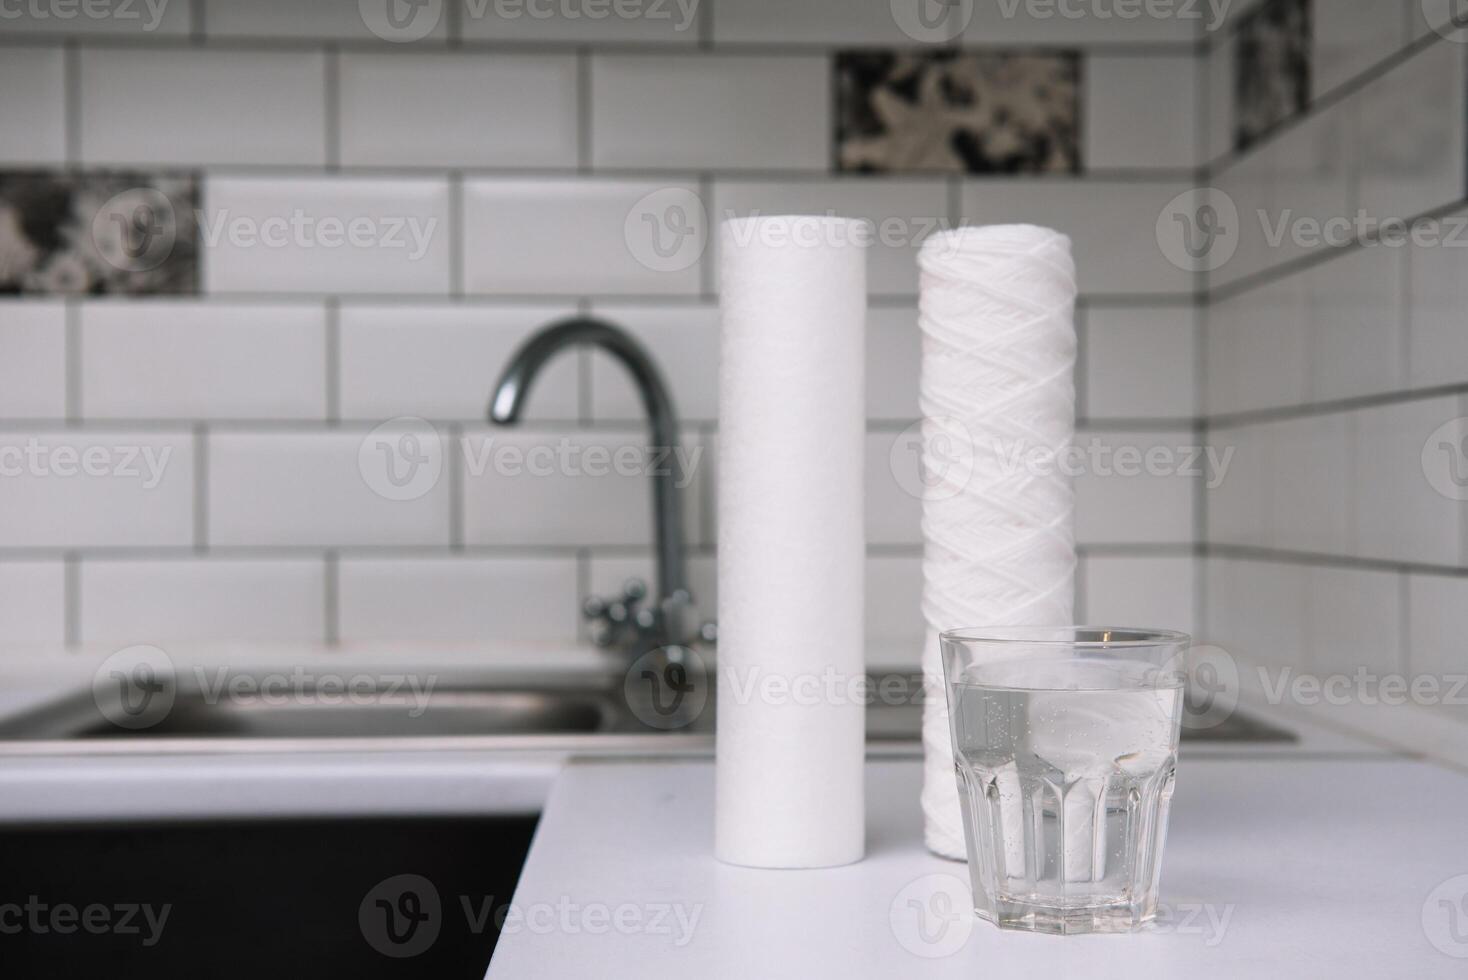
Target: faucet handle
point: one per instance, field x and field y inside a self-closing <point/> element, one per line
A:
<point x="611" y="618"/>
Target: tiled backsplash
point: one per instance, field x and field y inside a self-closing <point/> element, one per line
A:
<point x="380" y="223"/>
<point x="1335" y="364"/>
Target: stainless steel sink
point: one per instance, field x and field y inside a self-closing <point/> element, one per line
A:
<point x="438" y="714"/>
<point x="593" y="709"/>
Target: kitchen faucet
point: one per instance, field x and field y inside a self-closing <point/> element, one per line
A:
<point x="620" y="622"/>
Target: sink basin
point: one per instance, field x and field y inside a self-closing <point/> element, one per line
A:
<point x="439" y="714"/>
<point x="591" y="706"/>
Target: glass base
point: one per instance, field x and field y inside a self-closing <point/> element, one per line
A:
<point x="1055" y="920"/>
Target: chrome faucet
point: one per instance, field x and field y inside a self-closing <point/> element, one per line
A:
<point x="620" y="622"/>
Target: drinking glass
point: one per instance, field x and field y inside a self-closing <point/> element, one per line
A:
<point x="1065" y="744"/>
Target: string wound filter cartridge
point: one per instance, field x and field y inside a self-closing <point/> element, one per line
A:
<point x="997" y="315"/>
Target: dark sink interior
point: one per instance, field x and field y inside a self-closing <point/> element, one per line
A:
<point x="261" y="900"/>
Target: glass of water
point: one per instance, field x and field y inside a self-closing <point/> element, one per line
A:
<point x="1065" y="744"/>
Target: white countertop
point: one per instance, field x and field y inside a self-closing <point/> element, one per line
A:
<point x="1307" y="867"/>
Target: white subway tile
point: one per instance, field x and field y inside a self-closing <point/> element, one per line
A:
<point x="328" y="489"/>
<point x="1354" y="311"/>
<point x="820" y="22"/>
<point x="33" y="113"/>
<point x="346" y="20"/>
<point x="197" y="106"/>
<point x="1240" y="505"/>
<point x="1411" y="143"/>
<point x="583" y="21"/>
<point x="1350" y="36"/>
<point x="607" y="577"/>
<point x="32" y="359"/>
<point x="1309" y="506"/>
<point x="96" y="488"/>
<point x="570" y="489"/>
<point x="1249" y="184"/>
<point x="1264" y="615"/>
<point x="706" y="111"/>
<point x="154" y="359"/>
<point x="161" y="602"/>
<point x="1257" y="348"/>
<point x="1399" y="515"/>
<point x="895" y="627"/>
<point x="442" y="361"/>
<point x="457" y="599"/>
<point x="902" y="211"/>
<point x="1133" y="121"/>
<point x="1355" y="621"/>
<point x="326" y="234"/>
<point x="894" y="363"/>
<point x="1139" y="361"/>
<point x="683" y="341"/>
<point x="1121" y="498"/>
<point x="1439" y="622"/>
<point x="1438" y="302"/>
<point x="1042" y="22"/>
<point x="572" y="235"/>
<point x="1311" y="176"/>
<point x="456" y="110"/>
<point x="136" y="18"/>
<point x="1148" y="592"/>
<point x="32" y="603"/>
<point x="893" y="513"/>
<point x="1112" y="226"/>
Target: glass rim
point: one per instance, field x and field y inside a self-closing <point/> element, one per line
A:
<point x="1085" y="637"/>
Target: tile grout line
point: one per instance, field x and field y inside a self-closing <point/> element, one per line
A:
<point x="457" y="488"/>
<point x="72" y="598"/>
<point x="72" y="100"/>
<point x="331" y="96"/>
<point x="201" y="488"/>
<point x="71" y="311"/>
<point x="457" y="260"/>
<point x="331" y="597"/>
<point x="332" y="356"/>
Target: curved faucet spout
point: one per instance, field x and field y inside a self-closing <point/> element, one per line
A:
<point x="508" y="403"/>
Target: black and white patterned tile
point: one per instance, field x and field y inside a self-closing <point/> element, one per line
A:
<point x="95" y="234"/>
<point x="958" y="112"/>
<point x="1271" y="68"/>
